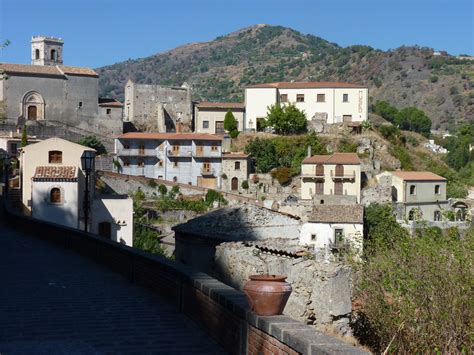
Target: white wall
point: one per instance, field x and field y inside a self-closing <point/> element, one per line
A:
<point x="118" y="212"/>
<point x="324" y="232"/>
<point x="65" y="213"/>
<point x="256" y="105"/>
<point x="357" y="106"/>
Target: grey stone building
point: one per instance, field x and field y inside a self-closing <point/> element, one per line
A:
<point x="156" y="108"/>
<point x="47" y="95"/>
<point x="235" y="170"/>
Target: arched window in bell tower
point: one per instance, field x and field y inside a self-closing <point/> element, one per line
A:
<point x="37" y="54"/>
<point x="53" y="54"/>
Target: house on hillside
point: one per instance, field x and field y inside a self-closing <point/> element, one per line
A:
<point x="330" y="102"/>
<point x="10" y="142"/>
<point x="419" y="195"/>
<point x="188" y="158"/>
<point x="209" y="116"/>
<point x="335" y="227"/>
<point x="53" y="189"/>
<point x="331" y="179"/>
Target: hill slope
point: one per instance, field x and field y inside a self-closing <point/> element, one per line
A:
<point x="219" y="69"/>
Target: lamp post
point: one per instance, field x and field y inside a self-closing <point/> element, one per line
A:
<point x="87" y="161"/>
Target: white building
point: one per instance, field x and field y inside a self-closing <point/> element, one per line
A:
<point x="209" y="116"/>
<point x="332" y="102"/>
<point x="53" y="190"/>
<point x="10" y="142"/>
<point x="334" y="226"/>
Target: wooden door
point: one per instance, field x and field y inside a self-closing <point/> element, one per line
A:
<point x="199" y="150"/>
<point x="319" y="188"/>
<point x="338" y="188"/>
<point x="32" y="113"/>
<point x="339" y="170"/>
<point x="234" y="184"/>
<point x="206" y="167"/>
<point x="346" y="118"/>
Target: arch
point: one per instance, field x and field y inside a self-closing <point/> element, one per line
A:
<point x="461" y="214"/>
<point x="234" y="184"/>
<point x="37" y="54"/>
<point x="33" y="106"/>
<point x="54" y="54"/>
<point x="55" y="195"/>
<point x="437" y="215"/>
<point x="394" y="194"/>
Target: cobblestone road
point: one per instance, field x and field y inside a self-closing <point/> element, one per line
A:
<point x="55" y="301"/>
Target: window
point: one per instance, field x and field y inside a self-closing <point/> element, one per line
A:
<point x="299" y="97"/>
<point x="141" y="163"/>
<point x="319" y="170"/>
<point x="313" y="237"/>
<point x="319" y="187"/>
<point x="437" y="189"/>
<point x="160" y="163"/>
<point x="437" y="216"/>
<point x="338" y="236"/>
<point x="339" y="170"/>
<point x="284" y="98"/>
<point x="126" y="163"/>
<point x="141" y="149"/>
<point x="175" y="163"/>
<point x="412" y="190"/>
<point x="176" y="148"/>
<point x="205" y="124"/>
<point x="53" y="54"/>
<point x="55" y="195"/>
<point x="126" y="146"/>
<point x="37" y="54"/>
<point x="338" y="188"/>
<point x="321" y="98"/>
<point x="108" y="111"/>
<point x="79" y="104"/>
<point x="14" y="148"/>
<point x="214" y="148"/>
<point x="55" y="157"/>
<point x="237" y="165"/>
<point x="345" y="97"/>
<point x="175" y="178"/>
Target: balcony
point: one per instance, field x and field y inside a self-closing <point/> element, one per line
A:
<point x="181" y="153"/>
<point x="207" y="154"/>
<point x="343" y="176"/>
<point x="137" y="153"/>
<point x="315" y="176"/>
<point x="208" y="172"/>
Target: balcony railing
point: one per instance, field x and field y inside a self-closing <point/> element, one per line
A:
<point x="137" y="152"/>
<point x="208" y="172"/>
<point x="206" y="154"/>
<point x="179" y="153"/>
<point x="317" y="176"/>
<point x="343" y="176"/>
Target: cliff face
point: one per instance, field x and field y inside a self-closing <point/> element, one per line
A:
<point x="218" y="70"/>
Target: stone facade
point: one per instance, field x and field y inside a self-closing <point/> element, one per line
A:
<point x="156" y="108"/>
<point x="236" y="167"/>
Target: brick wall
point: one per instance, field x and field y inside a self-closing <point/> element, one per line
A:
<point x="219" y="309"/>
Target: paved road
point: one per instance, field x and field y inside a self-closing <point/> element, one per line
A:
<point x="55" y="301"/>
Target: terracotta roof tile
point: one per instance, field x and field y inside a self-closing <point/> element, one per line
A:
<point x="108" y="102"/>
<point x="171" y="136"/>
<point x="235" y="155"/>
<point x="236" y="105"/>
<point x="418" y="176"/>
<point x="337" y="214"/>
<point x="336" y="158"/>
<point x="307" y="85"/>
<point x="46" y="69"/>
<point x="63" y="173"/>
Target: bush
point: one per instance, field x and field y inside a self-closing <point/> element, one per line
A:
<point x="384" y="109"/>
<point x="282" y="175"/>
<point x="214" y="196"/>
<point x="346" y="146"/>
<point x="152" y="183"/>
<point x="286" y="120"/>
<point x="163" y="190"/>
<point x="413" y="119"/>
<point x="434" y="79"/>
<point x="402" y="155"/>
<point x="224" y="176"/>
<point x="94" y="143"/>
<point x="389" y="132"/>
<point x="245" y="185"/>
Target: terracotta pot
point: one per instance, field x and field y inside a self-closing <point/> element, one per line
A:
<point x="267" y="294"/>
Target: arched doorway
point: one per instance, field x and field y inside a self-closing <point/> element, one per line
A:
<point x="32" y="113"/>
<point x="234" y="184"/>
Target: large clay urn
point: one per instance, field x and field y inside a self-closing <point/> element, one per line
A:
<point x="267" y="294"/>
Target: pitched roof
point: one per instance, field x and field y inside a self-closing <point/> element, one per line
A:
<point x="337" y="214"/>
<point x="235" y="155"/>
<point x="418" y="176"/>
<point x="307" y="85"/>
<point x="55" y="70"/>
<point x="55" y="173"/>
<point x="336" y="158"/>
<point x="171" y="136"/>
<point x="236" y="105"/>
<point x="109" y="102"/>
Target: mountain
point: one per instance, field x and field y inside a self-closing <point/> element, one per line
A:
<point x="441" y="85"/>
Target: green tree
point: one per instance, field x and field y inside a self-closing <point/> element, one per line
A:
<point x="384" y="109"/>
<point x="94" y="143"/>
<point x="413" y="119"/>
<point x="24" y="137"/>
<point x="262" y="153"/>
<point x="163" y="190"/>
<point x="245" y="185"/>
<point x="287" y="119"/>
<point x="230" y="124"/>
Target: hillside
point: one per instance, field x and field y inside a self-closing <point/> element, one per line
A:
<point x="218" y="70"/>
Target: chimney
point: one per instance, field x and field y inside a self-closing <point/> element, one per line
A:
<point x="309" y="151"/>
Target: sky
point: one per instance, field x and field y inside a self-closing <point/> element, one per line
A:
<point x="102" y="32"/>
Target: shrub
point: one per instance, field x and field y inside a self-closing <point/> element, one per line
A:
<point x="434" y="79"/>
<point x="230" y="123"/>
<point x="163" y="189"/>
<point x="402" y="155"/>
<point x="346" y="146"/>
<point x="286" y="120"/>
<point x="384" y="109"/>
<point x="282" y="175"/>
<point x="245" y="185"/>
<point x="152" y="183"/>
<point x="94" y="143"/>
<point x="214" y="196"/>
<point x="224" y="176"/>
<point x="413" y="119"/>
<point x="389" y="132"/>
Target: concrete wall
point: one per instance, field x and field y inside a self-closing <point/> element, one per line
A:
<point x="350" y="187"/>
<point x="322" y="235"/>
<point x="115" y="113"/>
<point x="116" y="210"/>
<point x="213" y="115"/>
<point x="65" y="213"/>
<point x="257" y="102"/>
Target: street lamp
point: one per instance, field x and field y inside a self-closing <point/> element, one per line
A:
<point x="87" y="160"/>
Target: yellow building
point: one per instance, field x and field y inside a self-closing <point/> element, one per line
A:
<point x="209" y="116"/>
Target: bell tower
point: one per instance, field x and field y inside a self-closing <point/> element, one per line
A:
<point x="46" y="50"/>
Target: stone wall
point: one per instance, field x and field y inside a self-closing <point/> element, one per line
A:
<point x="321" y="289"/>
<point x="377" y="192"/>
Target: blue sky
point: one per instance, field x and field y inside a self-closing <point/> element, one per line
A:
<point x="101" y="32"/>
